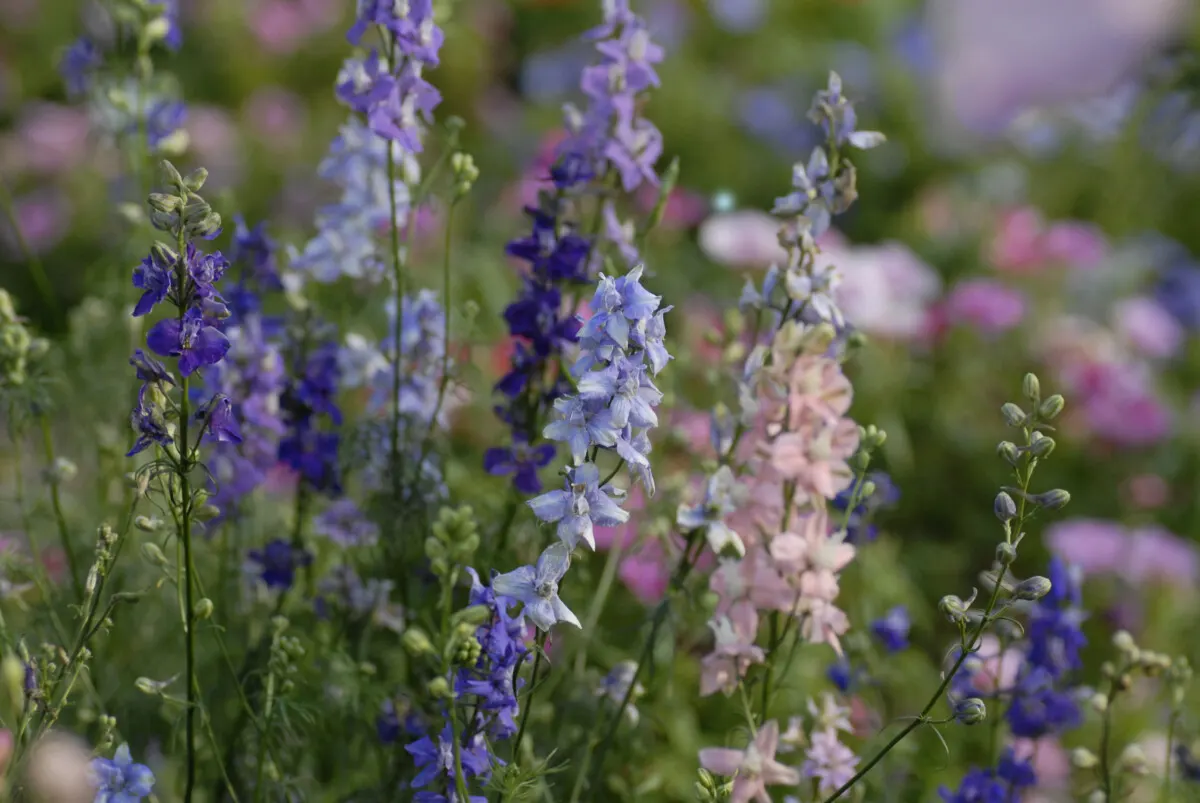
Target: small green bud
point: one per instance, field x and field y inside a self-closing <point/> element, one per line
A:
<point x="970" y="711"/>
<point x="416" y="642"/>
<point x="1006" y="554"/>
<point x="148" y="524"/>
<point x="1124" y="642"/>
<point x="195" y="179"/>
<point x="171" y="175"/>
<point x="867" y="490"/>
<point x="206" y="513"/>
<point x="1009" y="452"/>
<point x="953" y="608"/>
<point x="1056" y="499"/>
<point x="162" y="202"/>
<point x="1051" y="407"/>
<point x="62" y="470"/>
<point x="439" y="689"/>
<point x="1014" y="416"/>
<point x="1041" y="446"/>
<point x="474" y="616"/>
<point x="203" y="608"/>
<point x="1133" y="761"/>
<point x="1083" y="759"/>
<point x="156" y="30"/>
<point x="1032" y="589"/>
<point x="1099" y="702"/>
<point x="1031" y="388"/>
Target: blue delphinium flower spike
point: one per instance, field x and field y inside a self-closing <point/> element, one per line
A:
<point x="537" y="587"/>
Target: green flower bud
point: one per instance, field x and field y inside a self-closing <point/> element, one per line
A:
<point x="195" y="179"/>
<point x="416" y="642"/>
<point x="1031" y="388"/>
<point x="1014" y="416"/>
<point x="203" y="608"/>
<point x="439" y="689"/>
<point x="1083" y="759"/>
<point x="171" y="175"/>
<point x="970" y="711"/>
<point x="1004" y="507"/>
<point x="474" y="616"/>
<point x="1056" y="499"/>
<point x="1041" y="446"/>
<point x="1009" y="452"/>
<point x="1006" y="554"/>
<point x="1032" y="589"/>
<point x="148" y="524"/>
<point x="1051" y="407"/>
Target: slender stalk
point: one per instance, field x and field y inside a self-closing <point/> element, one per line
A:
<point x="36" y="269"/>
<point x="64" y="533"/>
<point x="1166" y="786"/>
<point x="444" y="382"/>
<point x="607" y="577"/>
<point x="774" y="640"/>
<point x="189" y="606"/>
<point x="1106" y="775"/>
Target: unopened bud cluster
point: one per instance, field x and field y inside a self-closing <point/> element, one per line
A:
<point x="454" y="540"/>
<point x="20" y="351"/>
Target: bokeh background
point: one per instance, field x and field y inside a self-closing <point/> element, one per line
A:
<point x="1036" y="207"/>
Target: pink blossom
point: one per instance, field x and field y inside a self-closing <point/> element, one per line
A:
<point x="1149" y="328"/>
<point x="1120" y="405"/>
<point x="1094" y="545"/>
<point x="1141" y="556"/>
<point x="607" y="537"/>
<point x="742" y="240"/>
<point x="646" y="572"/>
<point x="1147" y="491"/>
<point x="43" y="217"/>
<point x="1078" y="245"/>
<point x="1157" y="554"/>
<point x="814" y="457"/>
<point x="989" y="306"/>
<point x="989" y="669"/>
<point x="885" y="290"/>
<point x="753" y="769"/>
<point x="215" y="143"/>
<point x="755" y="578"/>
<point x="282" y="26"/>
<point x="684" y="208"/>
<point x="1016" y="246"/>
<point x="817" y="386"/>
<point x="822" y="622"/>
<point x="53" y="138"/>
<point x="276" y="115"/>
<point x="733" y="651"/>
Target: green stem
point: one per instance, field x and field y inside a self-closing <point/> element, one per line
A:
<point x="427" y="442"/>
<point x="1106" y="776"/>
<point x="64" y="533"/>
<point x="772" y="643"/>
<point x="189" y="605"/>
<point x="1166" y="787"/>
<point x="607" y="578"/>
<point x="262" y="739"/>
<point x="537" y="664"/>
<point x="36" y="269"/>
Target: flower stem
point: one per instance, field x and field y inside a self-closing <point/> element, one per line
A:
<point x="1106" y="776"/>
<point x="36" y="269"/>
<point x="64" y="533"/>
<point x="189" y="613"/>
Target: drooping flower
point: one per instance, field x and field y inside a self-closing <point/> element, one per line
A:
<point x="537" y="588"/>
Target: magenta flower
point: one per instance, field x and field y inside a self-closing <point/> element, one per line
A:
<point x="986" y="305"/>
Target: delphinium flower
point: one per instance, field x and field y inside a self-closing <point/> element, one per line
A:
<point x="436" y="766"/>
<point x="276" y="563"/>
<point x="753" y="769"/>
<point x="186" y="278"/>
<point x="493" y="681"/>
<point x="308" y="399"/>
<point x="612" y="409"/>
<point x="252" y="375"/>
<point x="860" y="524"/>
<point x="828" y="761"/>
<point x="608" y="141"/>
<point x="120" y="780"/>
<point x="892" y="629"/>
<point x="1004" y="784"/>
<point x="125" y="107"/>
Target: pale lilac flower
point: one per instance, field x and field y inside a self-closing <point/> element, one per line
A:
<point x="537" y="588"/>
<point x="829" y="761"/>
<point x="742" y="239"/>
<point x="885" y="290"/>
<point x="988" y="306"/>
<point x="829" y="715"/>
<point x="1148" y="327"/>
<point x="581" y="505"/>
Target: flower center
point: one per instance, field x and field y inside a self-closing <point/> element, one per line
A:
<point x="547" y="590"/>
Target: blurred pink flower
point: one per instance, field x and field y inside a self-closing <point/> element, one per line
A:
<point x="215" y="144"/>
<point x="1120" y="404"/>
<point x="1148" y="327"/>
<point x="646" y="572"/>
<point x="991" y="669"/>
<point x="742" y="240"/>
<point x="1050" y="760"/>
<point x="1147" y="491"/>
<point x="1140" y="556"/>
<point x="282" y="26"/>
<point x="753" y="769"/>
<point x="733" y="650"/>
<point x="43" y="217"/>
<point x="1016" y="245"/>
<point x="608" y="537"/>
<point x="276" y="115"/>
<point x="1076" y="244"/>
<point x="814" y="456"/>
<point x="886" y="290"/>
<point x="996" y="60"/>
<point x="987" y="305"/>
<point x="53" y="137"/>
<point x="684" y="208"/>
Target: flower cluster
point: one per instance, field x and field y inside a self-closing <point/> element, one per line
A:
<point x="783" y="555"/>
<point x="373" y="160"/>
<point x="1001" y="785"/>
<point x="121" y="106"/>
<point x="612" y="409"/>
<point x="192" y="336"/>
<point x="607" y="139"/>
<point x="252" y="374"/>
<point x="308" y="398"/>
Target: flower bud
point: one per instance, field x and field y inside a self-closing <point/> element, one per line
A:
<point x="162" y="202"/>
<point x="1010" y="452"/>
<point x="970" y="711"/>
<point x="474" y="616"/>
<point x="1032" y="589"/>
<point x="62" y="470"/>
<point x="1004" y="507"/>
<point x="1123" y="641"/>
<point x="195" y="179"/>
<point x="1031" y="388"/>
<point x="153" y="554"/>
<point x="1051" y="500"/>
<point x="1006" y="554"/>
<point x="1099" y="702"/>
<point x="416" y="642"/>
<point x="148" y="524"/>
<point x="439" y="689"/>
<point x="1133" y="761"/>
<point x="1041" y="446"/>
<point x="1014" y="416"/>
<point x="206" y="513"/>
<point x="1051" y="407"/>
<point x="953" y="608"/>
<point x="171" y="175"/>
<point x="1083" y="759"/>
<point x="93" y="579"/>
<point x="203" y="608"/>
